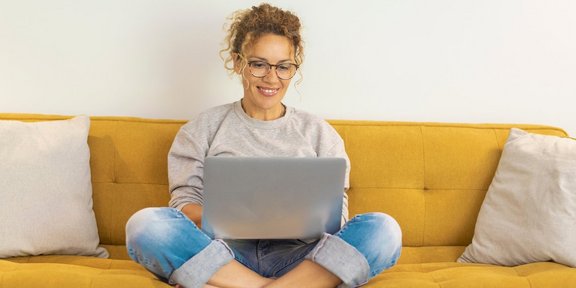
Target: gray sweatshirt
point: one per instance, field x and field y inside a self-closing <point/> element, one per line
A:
<point x="228" y="131"/>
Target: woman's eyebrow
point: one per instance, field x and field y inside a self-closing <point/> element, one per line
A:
<point x="258" y="58"/>
<point x="251" y="58"/>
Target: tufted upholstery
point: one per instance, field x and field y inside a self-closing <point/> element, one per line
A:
<point x="432" y="177"/>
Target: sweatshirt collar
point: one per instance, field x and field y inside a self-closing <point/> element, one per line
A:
<point x="272" y="124"/>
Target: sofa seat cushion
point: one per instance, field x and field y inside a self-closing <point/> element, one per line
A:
<point x="451" y="274"/>
<point x="79" y="271"/>
<point x="74" y="271"/>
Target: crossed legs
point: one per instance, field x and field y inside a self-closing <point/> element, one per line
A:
<point x="169" y="245"/>
<point x="306" y="274"/>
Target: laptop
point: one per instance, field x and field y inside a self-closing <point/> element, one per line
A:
<point x="272" y="197"/>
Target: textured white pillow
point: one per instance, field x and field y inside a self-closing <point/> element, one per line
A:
<point x="46" y="189"/>
<point x="529" y="213"/>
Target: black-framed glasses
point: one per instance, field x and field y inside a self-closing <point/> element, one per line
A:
<point x="284" y="71"/>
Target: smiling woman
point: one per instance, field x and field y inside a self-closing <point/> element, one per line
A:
<point x="263" y="92"/>
<point x="265" y="50"/>
<point x="276" y="45"/>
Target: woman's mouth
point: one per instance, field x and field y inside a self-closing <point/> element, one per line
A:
<point x="268" y="91"/>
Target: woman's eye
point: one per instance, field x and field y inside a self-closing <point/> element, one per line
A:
<point x="258" y="65"/>
<point x="284" y="67"/>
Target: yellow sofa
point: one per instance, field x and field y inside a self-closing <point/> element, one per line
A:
<point x="432" y="177"/>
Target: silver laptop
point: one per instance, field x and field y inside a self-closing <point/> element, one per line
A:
<point x="272" y="198"/>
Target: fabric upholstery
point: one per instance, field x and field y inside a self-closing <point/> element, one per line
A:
<point x="74" y="271"/>
<point x="449" y="274"/>
<point x="530" y="208"/>
<point x="45" y="189"/>
<point x="431" y="177"/>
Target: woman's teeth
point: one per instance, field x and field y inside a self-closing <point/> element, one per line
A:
<point x="268" y="91"/>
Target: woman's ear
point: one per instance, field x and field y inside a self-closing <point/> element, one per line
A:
<point x="237" y="59"/>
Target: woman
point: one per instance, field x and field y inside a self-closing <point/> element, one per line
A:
<point x="265" y="50"/>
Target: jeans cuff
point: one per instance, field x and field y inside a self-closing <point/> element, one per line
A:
<point x="196" y="272"/>
<point x="342" y="259"/>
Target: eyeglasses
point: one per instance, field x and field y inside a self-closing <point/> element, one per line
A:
<point x="284" y="71"/>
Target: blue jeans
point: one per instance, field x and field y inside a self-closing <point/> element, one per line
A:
<point x="172" y="247"/>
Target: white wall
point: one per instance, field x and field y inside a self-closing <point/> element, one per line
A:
<point x="510" y="61"/>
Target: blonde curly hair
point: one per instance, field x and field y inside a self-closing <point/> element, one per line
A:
<point x="247" y="26"/>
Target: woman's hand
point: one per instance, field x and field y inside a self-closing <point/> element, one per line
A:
<point x="194" y="212"/>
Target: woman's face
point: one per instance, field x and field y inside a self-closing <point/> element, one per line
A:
<point x="263" y="96"/>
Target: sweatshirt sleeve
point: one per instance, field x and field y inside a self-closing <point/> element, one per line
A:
<point x="186" y="167"/>
<point x="336" y="149"/>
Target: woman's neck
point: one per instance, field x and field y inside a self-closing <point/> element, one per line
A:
<point x="263" y="114"/>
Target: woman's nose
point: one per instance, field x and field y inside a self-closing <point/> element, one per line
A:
<point x="271" y="77"/>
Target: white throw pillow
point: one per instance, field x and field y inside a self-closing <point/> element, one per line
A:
<point x="46" y="189"/>
<point x="529" y="213"/>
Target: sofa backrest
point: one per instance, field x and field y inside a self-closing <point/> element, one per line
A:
<point x="432" y="177"/>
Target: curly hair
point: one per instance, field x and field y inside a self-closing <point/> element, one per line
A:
<point x="247" y="26"/>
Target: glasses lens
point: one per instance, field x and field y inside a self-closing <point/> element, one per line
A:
<point x="258" y="68"/>
<point x="286" y="71"/>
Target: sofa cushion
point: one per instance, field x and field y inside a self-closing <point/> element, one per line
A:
<point x="75" y="272"/>
<point x="450" y="274"/>
<point x="45" y="189"/>
<point x="78" y="272"/>
<point x="530" y="204"/>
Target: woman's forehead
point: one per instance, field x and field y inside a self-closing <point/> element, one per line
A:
<point x="271" y="47"/>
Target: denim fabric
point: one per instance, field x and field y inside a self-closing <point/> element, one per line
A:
<point x="271" y="258"/>
<point x="168" y="244"/>
<point x="199" y="269"/>
<point x="172" y="247"/>
<point x="366" y="245"/>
